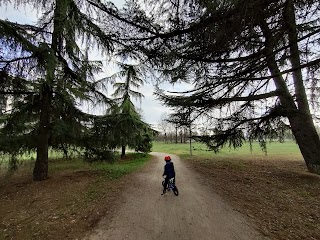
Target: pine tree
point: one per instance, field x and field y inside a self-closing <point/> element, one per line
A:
<point x="252" y="64"/>
<point x="129" y="129"/>
<point x="52" y="66"/>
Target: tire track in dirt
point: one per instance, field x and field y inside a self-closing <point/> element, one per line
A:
<point x="196" y="213"/>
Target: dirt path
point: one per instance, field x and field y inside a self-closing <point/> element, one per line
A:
<point x="195" y="214"/>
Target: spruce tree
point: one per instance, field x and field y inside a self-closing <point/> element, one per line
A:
<point x="50" y="62"/>
<point x="129" y="129"/>
<point x="252" y="64"/>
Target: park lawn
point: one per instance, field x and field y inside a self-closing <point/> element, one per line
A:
<point x="275" y="150"/>
<point x="275" y="191"/>
<point x="69" y="203"/>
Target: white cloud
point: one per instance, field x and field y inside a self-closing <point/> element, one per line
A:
<point x="22" y="15"/>
<point x="118" y="3"/>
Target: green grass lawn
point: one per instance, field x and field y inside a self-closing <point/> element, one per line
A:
<point x="117" y="169"/>
<point x="113" y="170"/>
<point x="275" y="150"/>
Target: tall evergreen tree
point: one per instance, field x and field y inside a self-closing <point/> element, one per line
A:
<point x="50" y="59"/>
<point x="253" y="61"/>
<point x="129" y="129"/>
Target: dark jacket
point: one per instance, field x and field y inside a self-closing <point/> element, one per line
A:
<point x="169" y="170"/>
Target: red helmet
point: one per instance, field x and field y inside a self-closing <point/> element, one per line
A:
<point x="167" y="158"/>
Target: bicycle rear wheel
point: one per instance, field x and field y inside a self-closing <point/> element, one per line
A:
<point x="175" y="191"/>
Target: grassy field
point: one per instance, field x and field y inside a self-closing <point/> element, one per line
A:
<point x="274" y="190"/>
<point x="69" y="203"/>
<point x="275" y="150"/>
<point x="28" y="159"/>
<point x="56" y="164"/>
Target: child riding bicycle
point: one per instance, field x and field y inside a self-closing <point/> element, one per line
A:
<point x="168" y="173"/>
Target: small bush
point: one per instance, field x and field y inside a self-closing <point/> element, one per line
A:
<point x="99" y="156"/>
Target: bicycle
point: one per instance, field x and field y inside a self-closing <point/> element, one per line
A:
<point x="172" y="186"/>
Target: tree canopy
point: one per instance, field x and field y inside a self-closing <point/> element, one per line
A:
<point x="46" y="72"/>
<point x="129" y="129"/>
<point x="253" y="65"/>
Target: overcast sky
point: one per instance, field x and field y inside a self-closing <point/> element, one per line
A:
<point x="152" y="110"/>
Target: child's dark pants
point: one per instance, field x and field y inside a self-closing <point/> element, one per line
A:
<point x="165" y="185"/>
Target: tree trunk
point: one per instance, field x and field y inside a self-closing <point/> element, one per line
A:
<point x="40" y="171"/>
<point x="301" y="124"/>
<point x="307" y="139"/>
<point x="298" y="113"/>
<point x="176" y="134"/>
<point x="190" y="142"/>
<point x="123" y="151"/>
<point x="65" y="151"/>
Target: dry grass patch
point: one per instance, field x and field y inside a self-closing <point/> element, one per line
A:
<point x="65" y="206"/>
<point x="279" y="196"/>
